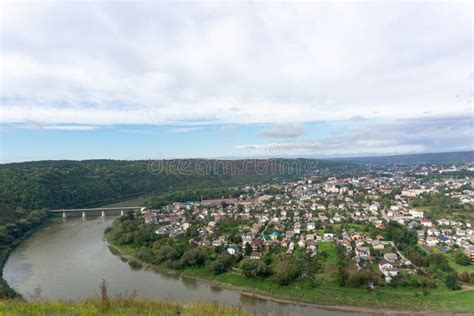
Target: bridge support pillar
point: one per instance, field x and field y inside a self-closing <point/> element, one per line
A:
<point x="103" y="213"/>
<point x="121" y="213"/>
<point x="83" y="214"/>
<point x="64" y="215"/>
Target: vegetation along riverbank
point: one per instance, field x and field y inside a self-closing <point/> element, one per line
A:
<point x="15" y="226"/>
<point x="327" y="295"/>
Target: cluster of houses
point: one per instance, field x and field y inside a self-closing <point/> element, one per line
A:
<point x="303" y="213"/>
<point x="171" y="223"/>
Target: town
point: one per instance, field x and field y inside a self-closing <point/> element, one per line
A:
<point x="393" y="225"/>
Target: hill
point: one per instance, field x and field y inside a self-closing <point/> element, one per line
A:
<point x="67" y="184"/>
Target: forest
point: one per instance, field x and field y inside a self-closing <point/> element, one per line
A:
<point x="72" y="184"/>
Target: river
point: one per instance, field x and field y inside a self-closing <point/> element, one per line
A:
<point x="68" y="259"/>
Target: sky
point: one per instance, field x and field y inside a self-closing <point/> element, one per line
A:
<point x="158" y="80"/>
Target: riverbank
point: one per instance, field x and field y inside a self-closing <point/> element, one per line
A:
<point x="5" y="290"/>
<point x="119" y="306"/>
<point x="382" y="300"/>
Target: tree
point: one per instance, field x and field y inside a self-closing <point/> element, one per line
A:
<point x="216" y="266"/>
<point x="400" y="235"/>
<point x="262" y="269"/>
<point x="461" y="258"/>
<point x="7" y="214"/>
<point x="192" y="257"/>
<point x="341" y="275"/>
<point x="235" y="237"/>
<point x="145" y="254"/>
<point x="286" y="270"/>
<point x="221" y="264"/>
<point x="249" y="267"/>
<point x="452" y="282"/>
<point x="417" y="258"/>
<point x="5" y="238"/>
<point x="359" y="278"/>
<point x="167" y="252"/>
<point x="253" y="268"/>
<point x="439" y="261"/>
<point x="248" y="249"/>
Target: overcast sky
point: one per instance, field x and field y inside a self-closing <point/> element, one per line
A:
<point x="146" y="80"/>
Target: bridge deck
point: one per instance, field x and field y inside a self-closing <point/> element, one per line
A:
<point x="98" y="209"/>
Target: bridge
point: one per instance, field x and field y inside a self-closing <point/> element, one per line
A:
<point x="98" y="209"/>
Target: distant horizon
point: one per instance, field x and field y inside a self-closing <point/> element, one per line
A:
<point x="250" y="158"/>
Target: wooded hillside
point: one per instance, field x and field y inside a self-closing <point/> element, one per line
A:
<point x="67" y="184"/>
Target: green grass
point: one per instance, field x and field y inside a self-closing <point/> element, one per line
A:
<point x="330" y="249"/>
<point x="424" y="208"/>
<point x="329" y="294"/>
<point x="385" y="298"/>
<point x="125" y="306"/>
<point x="457" y="267"/>
<point x="126" y="250"/>
<point x="353" y="227"/>
<point x="329" y="262"/>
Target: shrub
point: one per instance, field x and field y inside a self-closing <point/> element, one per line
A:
<point x="361" y="278"/>
<point x="451" y="282"/>
<point x="192" y="257"/>
<point x="461" y="258"/>
<point x="216" y="266"/>
<point x="134" y="264"/>
<point x="253" y="268"/>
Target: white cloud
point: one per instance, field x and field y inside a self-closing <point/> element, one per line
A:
<point x="71" y="127"/>
<point x="233" y="63"/>
<point x="184" y="129"/>
<point x="290" y="130"/>
<point x="428" y="134"/>
<point x="39" y="126"/>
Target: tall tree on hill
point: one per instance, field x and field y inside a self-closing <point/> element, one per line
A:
<point x="7" y="214"/>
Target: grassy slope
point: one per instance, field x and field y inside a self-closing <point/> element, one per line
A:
<point x="387" y="298"/>
<point x="457" y="267"/>
<point x="116" y="307"/>
<point x="440" y="299"/>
